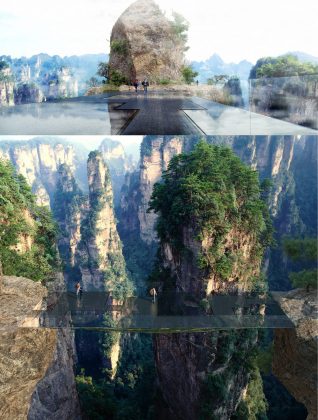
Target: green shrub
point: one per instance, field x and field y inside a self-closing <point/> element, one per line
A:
<point x="164" y="82"/>
<point x="224" y="266"/>
<point x="16" y="199"/>
<point x="189" y="74"/>
<point x="283" y="66"/>
<point x="117" y="78"/>
<point x="119" y="46"/>
<point x="302" y="251"/>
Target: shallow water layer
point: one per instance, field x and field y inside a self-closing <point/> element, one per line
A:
<point x="156" y="113"/>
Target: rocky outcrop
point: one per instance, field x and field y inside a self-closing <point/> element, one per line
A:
<point x="100" y="250"/>
<point x="25" y="93"/>
<point x="233" y="91"/>
<point x="144" y="43"/>
<point x="293" y="99"/>
<point x="55" y="76"/>
<point x="119" y="164"/>
<point x="199" y="374"/>
<point x="6" y="87"/>
<point x="282" y="159"/>
<point x="155" y="156"/>
<point x="36" y="369"/>
<point x="70" y="207"/>
<point x="295" y="350"/>
<point x="29" y="83"/>
<point x="59" y="84"/>
<point x="186" y="362"/>
<point x="38" y="161"/>
<point x="55" y="396"/>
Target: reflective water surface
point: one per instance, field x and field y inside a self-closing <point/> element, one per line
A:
<point x="156" y="113"/>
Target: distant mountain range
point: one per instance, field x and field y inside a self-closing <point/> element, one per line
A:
<point x="42" y="67"/>
<point x="215" y="65"/>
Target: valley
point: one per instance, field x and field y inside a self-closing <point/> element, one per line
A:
<point x="107" y="206"/>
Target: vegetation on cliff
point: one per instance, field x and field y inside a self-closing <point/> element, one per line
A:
<point x="28" y="233"/>
<point x="129" y="396"/>
<point x="212" y="192"/>
<point x="283" y="66"/>
<point x="101" y="200"/>
<point x="303" y="252"/>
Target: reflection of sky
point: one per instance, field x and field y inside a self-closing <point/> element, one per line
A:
<point x="234" y="29"/>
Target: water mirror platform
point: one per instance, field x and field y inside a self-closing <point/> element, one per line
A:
<point x="155" y="113"/>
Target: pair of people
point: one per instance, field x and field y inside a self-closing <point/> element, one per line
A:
<point x="145" y="84"/>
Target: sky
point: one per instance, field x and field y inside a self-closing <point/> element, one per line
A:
<point x="234" y="29"/>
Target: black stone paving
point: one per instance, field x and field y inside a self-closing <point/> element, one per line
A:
<point x="157" y="114"/>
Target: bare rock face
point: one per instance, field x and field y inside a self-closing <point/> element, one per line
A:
<point x="28" y="93"/>
<point x="6" y="87"/>
<point x="55" y="396"/>
<point x="31" y="356"/>
<point x="156" y="153"/>
<point x="38" y="161"/>
<point x="144" y="43"/>
<point x="295" y="350"/>
<point x="69" y="208"/>
<point x="60" y="84"/>
<point x="292" y="99"/>
<point x="118" y="163"/>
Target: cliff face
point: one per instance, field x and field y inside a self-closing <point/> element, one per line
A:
<point x="70" y="207"/>
<point x="186" y="362"/>
<point x="295" y="350"/>
<point x="30" y="82"/>
<point x="6" y="88"/>
<point x="59" y="84"/>
<point x="232" y="89"/>
<point x="144" y="43"/>
<point x="100" y="252"/>
<point x="293" y="99"/>
<point x="25" y="93"/>
<point x="155" y="156"/>
<point x="282" y="159"/>
<point x="33" y="358"/>
<point x="62" y="402"/>
<point x="38" y="161"/>
<point x="119" y="164"/>
<point x="200" y="374"/>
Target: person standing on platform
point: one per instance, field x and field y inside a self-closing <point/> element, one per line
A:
<point x="153" y="293"/>
<point x="145" y="84"/>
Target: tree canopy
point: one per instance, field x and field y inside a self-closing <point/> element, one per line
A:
<point x="21" y="218"/>
<point x="303" y="251"/>
<point x="283" y="66"/>
<point x="209" y="188"/>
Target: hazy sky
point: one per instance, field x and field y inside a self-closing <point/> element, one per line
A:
<point x="235" y="29"/>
